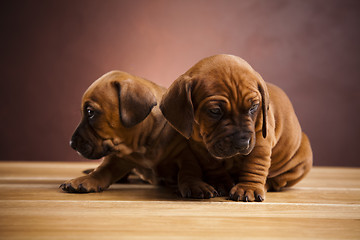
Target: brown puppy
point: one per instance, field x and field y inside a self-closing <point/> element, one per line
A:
<point x="231" y="114"/>
<point x="120" y="122"/>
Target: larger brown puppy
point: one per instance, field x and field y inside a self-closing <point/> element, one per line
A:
<point x="120" y="122"/>
<point x="231" y="114"/>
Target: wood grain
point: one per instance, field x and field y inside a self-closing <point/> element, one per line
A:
<point x="325" y="205"/>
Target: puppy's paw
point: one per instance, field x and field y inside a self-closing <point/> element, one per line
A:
<point x="247" y="192"/>
<point x="199" y="190"/>
<point x="84" y="184"/>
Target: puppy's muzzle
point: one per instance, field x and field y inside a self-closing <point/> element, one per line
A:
<point x="78" y="144"/>
<point x="232" y="145"/>
<point x="85" y="148"/>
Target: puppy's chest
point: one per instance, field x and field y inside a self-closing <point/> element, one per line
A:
<point x="148" y="158"/>
<point x="208" y="162"/>
<point x="231" y="163"/>
<point x="140" y="159"/>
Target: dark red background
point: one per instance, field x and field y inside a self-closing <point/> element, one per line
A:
<point x="51" y="51"/>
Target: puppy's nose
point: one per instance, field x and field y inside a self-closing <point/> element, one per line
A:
<point x="72" y="144"/>
<point x="242" y="142"/>
<point x="74" y="140"/>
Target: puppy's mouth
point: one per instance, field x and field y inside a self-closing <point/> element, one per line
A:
<point x="219" y="152"/>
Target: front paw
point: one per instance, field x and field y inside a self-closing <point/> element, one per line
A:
<point x="84" y="184"/>
<point x="199" y="190"/>
<point x="247" y="192"/>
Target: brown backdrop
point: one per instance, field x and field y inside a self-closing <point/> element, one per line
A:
<point x="51" y="51"/>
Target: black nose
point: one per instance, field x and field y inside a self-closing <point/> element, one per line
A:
<point x="72" y="143"/>
<point x="242" y="141"/>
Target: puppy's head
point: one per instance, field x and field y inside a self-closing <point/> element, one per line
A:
<point x="222" y="102"/>
<point x="112" y="107"/>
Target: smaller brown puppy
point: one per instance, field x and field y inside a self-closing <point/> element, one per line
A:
<point x="121" y="122"/>
<point x="232" y="115"/>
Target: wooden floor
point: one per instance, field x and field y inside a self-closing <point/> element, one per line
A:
<point x="325" y="205"/>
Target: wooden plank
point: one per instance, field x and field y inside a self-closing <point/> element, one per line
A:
<point x="91" y="219"/>
<point x="326" y="205"/>
<point x="136" y="192"/>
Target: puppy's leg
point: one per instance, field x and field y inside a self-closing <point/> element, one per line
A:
<point x="124" y="179"/>
<point x="190" y="175"/>
<point x="110" y="170"/>
<point x="303" y="162"/>
<point x="253" y="171"/>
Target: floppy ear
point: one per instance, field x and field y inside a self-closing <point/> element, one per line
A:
<point x="135" y="101"/>
<point x="176" y="106"/>
<point x="264" y="103"/>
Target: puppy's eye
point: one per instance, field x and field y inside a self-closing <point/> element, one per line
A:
<point x="215" y="112"/>
<point x="90" y="113"/>
<point x="254" y="108"/>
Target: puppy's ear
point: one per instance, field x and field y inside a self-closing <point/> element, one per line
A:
<point x="264" y="103"/>
<point x="176" y="106"/>
<point x="135" y="101"/>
